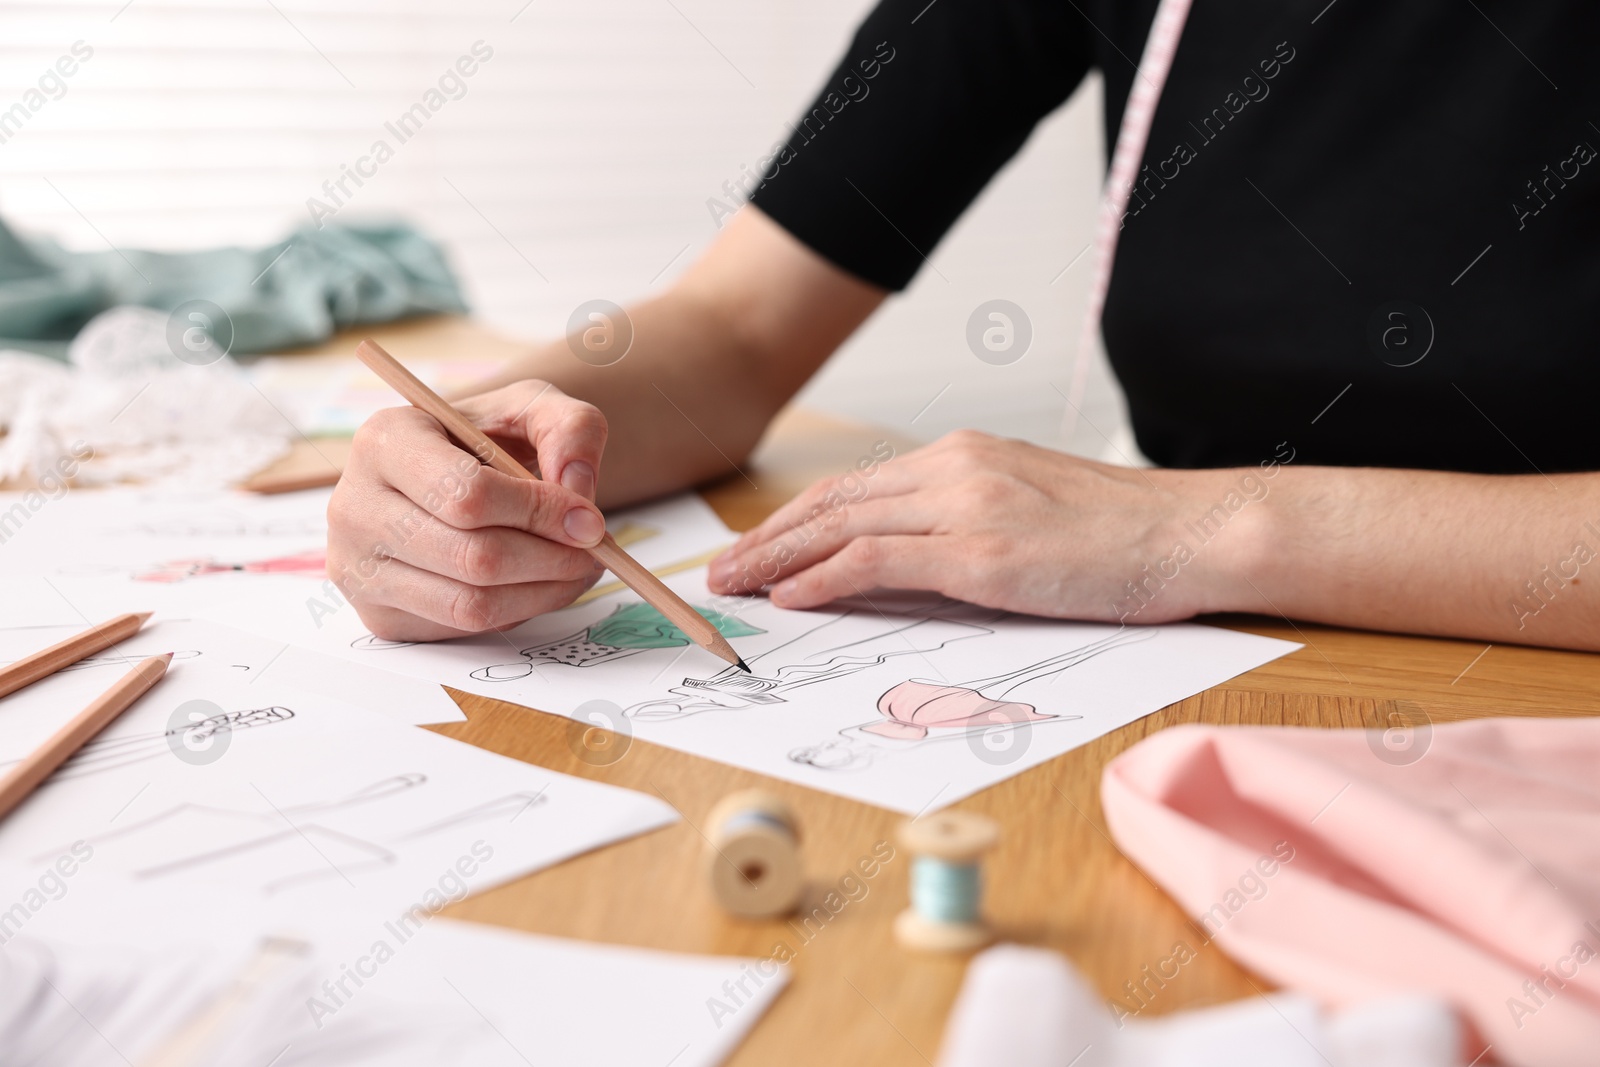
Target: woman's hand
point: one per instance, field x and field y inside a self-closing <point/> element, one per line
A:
<point x="428" y="543"/>
<point x="1003" y="524"/>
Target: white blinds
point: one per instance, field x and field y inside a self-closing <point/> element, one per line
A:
<point x="583" y="150"/>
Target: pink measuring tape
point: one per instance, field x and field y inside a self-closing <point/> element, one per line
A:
<point x="1137" y="116"/>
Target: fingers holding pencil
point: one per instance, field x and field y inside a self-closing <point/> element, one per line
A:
<point x="479" y="444"/>
<point x="428" y="543"/>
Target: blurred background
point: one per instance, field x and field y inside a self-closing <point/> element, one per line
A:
<point x="577" y="163"/>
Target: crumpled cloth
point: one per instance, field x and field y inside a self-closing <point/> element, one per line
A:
<point x="1461" y="860"/>
<point x="1027" y="1007"/>
<point x="125" y="408"/>
<point x="287" y="295"/>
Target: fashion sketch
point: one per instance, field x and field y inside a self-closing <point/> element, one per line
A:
<point x="110" y="753"/>
<point x="824" y="653"/>
<point x="913" y="712"/>
<point x="312" y="563"/>
<point x="270" y="847"/>
<point x="627" y="631"/>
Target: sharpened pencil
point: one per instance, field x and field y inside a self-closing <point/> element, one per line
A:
<point x="22" y="779"/>
<point x="638" y="577"/>
<point x="65" y="653"/>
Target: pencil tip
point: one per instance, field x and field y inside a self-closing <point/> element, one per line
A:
<point x="166" y="658"/>
<point x="144" y="617"/>
<point x="743" y="666"/>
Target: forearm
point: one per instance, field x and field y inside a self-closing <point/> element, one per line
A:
<point x="680" y="407"/>
<point x="711" y="361"/>
<point x="1459" y="555"/>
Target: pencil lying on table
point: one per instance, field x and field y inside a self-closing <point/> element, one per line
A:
<point x="638" y="577"/>
<point x="47" y="661"/>
<point x="25" y="776"/>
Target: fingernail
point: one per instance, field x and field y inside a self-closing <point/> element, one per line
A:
<point x="584" y="526"/>
<point x="722" y="567"/>
<point x="579" y="477"/>
<point x="785" y="590"/>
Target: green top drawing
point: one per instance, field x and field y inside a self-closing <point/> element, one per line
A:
<point x="642" y="626"/>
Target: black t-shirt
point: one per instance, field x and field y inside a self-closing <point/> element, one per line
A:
<point x="1392" y="204"/>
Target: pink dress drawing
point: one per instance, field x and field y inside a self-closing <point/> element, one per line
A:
<point x="312" y="563"/>
<point x="912" y="708"/>
<point x="915" y="712"/>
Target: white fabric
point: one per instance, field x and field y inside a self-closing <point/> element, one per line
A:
<point x="1028" y="1007"/>
<point x="137" y="410"/>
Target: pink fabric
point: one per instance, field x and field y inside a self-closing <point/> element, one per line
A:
<point x="910" y="708"/>
<point x="1466" y="867"/>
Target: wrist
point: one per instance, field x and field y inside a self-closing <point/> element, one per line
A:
<point x="1235" y="524"/>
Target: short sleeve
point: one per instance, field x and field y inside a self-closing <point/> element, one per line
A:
<point x="928" y="103"/>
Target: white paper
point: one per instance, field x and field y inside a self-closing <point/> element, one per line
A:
<point x="401" y="697"/>
<point x="212" y="784"/>
<point x="126" y="969"/>
<point x="254" y="562"/>
<point x="909" y="703"/>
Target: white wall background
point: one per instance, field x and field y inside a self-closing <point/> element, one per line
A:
<point x="577" y="165"/>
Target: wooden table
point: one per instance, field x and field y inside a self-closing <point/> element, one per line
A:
<point x="1056" y="879"/>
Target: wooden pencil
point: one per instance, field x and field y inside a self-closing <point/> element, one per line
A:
<point x="638" y="577"/>
<point x="26" y="776"/>
<point x="65" y="653"/>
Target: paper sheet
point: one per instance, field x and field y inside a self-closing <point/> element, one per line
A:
<point x="909" y="703"/>
<point x="904" y="702"/>
<point x="341" y="988"/>
<point x="401" y="697"/>
<point x="334" y="395"/>
<point x="254" y="562"/>
<point x="258" y="790"/>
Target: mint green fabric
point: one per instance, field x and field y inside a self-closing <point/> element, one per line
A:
<point x="642" y="626"/>
<point x="329" y="278"/>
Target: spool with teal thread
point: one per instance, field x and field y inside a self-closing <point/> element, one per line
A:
<point x="946" y="882"/>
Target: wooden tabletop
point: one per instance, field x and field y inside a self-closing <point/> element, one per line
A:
<point x="1055" y="880"/>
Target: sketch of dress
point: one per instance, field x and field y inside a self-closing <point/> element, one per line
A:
<point x="279" y="848"/>
<point x="627" y="631"/>
<point x="374" y="643"/>
<point x="119" y="660"/>
<point x="834" y="649"/>
<point x="110" y="753"/>
<point x="311" y="563"/>
<point x="914" y="712"/>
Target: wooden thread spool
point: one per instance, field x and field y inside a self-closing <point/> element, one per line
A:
<point x="946" y="882"/>
<point x="753" y="863"/>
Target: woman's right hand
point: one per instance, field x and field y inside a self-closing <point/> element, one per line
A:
<point x="428" y="543"/>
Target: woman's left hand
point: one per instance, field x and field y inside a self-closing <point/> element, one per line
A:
<point x="1003" y="524"/>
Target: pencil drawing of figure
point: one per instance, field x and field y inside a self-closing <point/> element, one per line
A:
<point x="627" y="631"/>
<point x="312" y="563"/>
<point x="374" y="643"/>
<point x="914" y="712"/>
<point x="843" y="645"/>
<point x="121" y="660"/>
<point x="110" y="753"/>
<point x="268" y="847"/>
